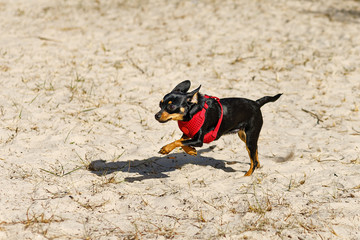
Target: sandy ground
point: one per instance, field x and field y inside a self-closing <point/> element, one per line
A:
<point x="82" y="80"/>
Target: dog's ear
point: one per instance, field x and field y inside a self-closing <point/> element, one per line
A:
<point x="193" y="97"/>
<point x="182" y="87"/>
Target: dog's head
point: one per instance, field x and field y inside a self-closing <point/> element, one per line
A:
<point x="178" y="104"/>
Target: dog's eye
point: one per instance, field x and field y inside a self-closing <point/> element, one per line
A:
<point x="171" y="107"/>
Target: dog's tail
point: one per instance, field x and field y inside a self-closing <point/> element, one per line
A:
<point x="267" y="99"/>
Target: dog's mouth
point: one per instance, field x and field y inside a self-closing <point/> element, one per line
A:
<point x="165" y="117"/>
<point x="164" y="121"/>
<point x="162" y="117"/>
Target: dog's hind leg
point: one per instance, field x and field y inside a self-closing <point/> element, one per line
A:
<point x="250" y="139"/>
<point x="251" y="147"/>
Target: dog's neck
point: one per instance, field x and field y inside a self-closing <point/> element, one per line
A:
<point x="195" y="107"/>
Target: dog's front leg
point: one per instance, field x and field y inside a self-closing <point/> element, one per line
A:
<point x="196" y="141"/>
<point x="171" y="146"/>
<point x="178" y="143"/>
<point x="188" y="149"/>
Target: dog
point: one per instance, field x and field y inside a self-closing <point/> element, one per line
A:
<point x="204" y="119"/>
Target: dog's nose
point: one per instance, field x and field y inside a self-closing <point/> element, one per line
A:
<point x="158" y="116"/>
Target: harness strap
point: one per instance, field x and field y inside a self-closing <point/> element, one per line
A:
<point x="216" y="129"/>
<point x="190" y="128"/>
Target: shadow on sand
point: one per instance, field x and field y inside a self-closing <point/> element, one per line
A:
<point x="156" y="167"/>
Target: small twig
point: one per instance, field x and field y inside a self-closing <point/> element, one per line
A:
<point x="119" y="156"/>
<point x="34" y="98"/>
<point x="327" y="160"/>
<point x="55" y="174"/>
<point x="75" y="169"/>
<point x="313" y="114"/>
<point x="88" y="110"/>
<point x="240" y="59"/>
<point x="356" y="131"/>
<point x="47" y="39"/>
<point x="135" y="65"/>
<point x="20" y="114"/>
<point x="67" y="136"/>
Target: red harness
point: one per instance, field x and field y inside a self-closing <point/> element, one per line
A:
<point x="190" y="128"/>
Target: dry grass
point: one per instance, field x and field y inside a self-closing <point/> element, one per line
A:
<point x="81" y="83"/>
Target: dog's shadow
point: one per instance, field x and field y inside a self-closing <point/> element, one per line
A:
<point x="156" y="167"/>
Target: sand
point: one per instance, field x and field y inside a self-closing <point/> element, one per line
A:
<point x="82" y="80"/>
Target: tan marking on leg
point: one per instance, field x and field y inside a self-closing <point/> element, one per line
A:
<point x="171" y="146"/>
<point x="248" y="173"/>
<point x="189" y="150"/>
<point x="251" y="170"/>
<point x="252" y="162"/>
<point x="178" y="143"/>
<point x="257" y="159"/>
<point x="242" y="135"/>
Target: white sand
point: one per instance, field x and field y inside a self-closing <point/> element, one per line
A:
<point x="81" y="82"/>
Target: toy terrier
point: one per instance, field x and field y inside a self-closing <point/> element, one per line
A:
<point x="203" y="119"/>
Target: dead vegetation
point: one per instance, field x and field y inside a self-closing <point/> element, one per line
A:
<point x="81" y="82"/>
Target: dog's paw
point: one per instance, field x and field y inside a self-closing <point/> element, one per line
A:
<point x="190" y="150"/>
<point x="193" y="153"/>
<point x="165" y="150"/>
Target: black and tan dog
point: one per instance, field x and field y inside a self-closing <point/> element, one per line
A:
<point x="203" y="119"/>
